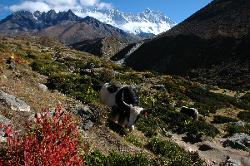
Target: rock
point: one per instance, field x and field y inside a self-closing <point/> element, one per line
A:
<point x="5" y="122"/>
<point x="88" y="124"/>
<point x="13" y="102"/>
<point x="43" y="87"/>
<point x="86" y="117"/>
<point x="238" y="141"/>
<point x="239" y="123"/>
<point x="232" y="162"/>
<point x="10" y="63"/>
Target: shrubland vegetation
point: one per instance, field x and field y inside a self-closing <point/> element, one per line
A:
<point x="170" y="153"/>
<point x="80" y="75"/>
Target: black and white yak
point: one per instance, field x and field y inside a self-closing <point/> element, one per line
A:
<point x="191" y="112"/>
<point x="124" y="103"/>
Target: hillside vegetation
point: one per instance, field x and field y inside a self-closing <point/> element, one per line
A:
<point x="74" y="78"/>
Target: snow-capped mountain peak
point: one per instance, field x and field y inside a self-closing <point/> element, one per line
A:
<point x="147" y="22"/>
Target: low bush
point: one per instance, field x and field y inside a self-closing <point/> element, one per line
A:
<point x="223" y="119"/>
<point x="246" y="98"/>
<point x="232" y="129"/>
<point x="175" y="121"/>
<point x="96" y="158"/>
<point x="75" y="86"/>
<point x="211" y="101"/>
<point x="244" y="115"/>
<point x="171" y="154"/>
<point x="134" y="140"/>
<point x="51" y="141"/>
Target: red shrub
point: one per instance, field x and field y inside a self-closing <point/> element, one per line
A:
<point x="53" y="141"/>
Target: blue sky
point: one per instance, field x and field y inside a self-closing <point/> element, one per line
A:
<point x="177" y="10"/>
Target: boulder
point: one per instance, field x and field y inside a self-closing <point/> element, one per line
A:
<point x="239" y="123"/>
<point x="13" y="102"/>
<point x="238" y="141"/>
<point x="87" y="118"/>
<point x="43" y="87"/>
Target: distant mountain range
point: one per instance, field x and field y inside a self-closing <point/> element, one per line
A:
<point x="65" y="26"/>
<point x="211" y="46"/>
<point x="146" y="22"/>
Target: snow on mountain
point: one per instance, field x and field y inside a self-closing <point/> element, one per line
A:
<point x="147" y="21"/>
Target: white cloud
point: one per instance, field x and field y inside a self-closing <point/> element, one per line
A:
<point x="57" y="5"/>
<point x="102" y="5"/>
<point x="30" y="6"/>
<point x="88" y="2"/>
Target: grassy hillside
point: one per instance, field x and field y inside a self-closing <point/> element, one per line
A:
<point x="27" y="61"/>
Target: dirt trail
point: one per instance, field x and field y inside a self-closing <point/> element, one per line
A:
<point x="229" y="92"/>
<point x="218" y="154"/>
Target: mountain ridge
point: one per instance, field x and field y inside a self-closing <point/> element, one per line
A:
<point x="65" y="26"/>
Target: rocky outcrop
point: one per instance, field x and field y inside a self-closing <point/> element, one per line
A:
<point x="105" y="47"/>
<point x="238" y="141"/>
<point x="13" y="102"/>
<point x="87" y="117"/>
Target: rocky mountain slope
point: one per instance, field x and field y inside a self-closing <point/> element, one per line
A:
<point x="106" y="47"/>
<point x="65" y="26"/>
<point x="146" y="23"/>
<point x="210" y="46"/>
<point x="41" y="72"/>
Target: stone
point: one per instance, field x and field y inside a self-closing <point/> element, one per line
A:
<point x="238" y="141"/>
<point x="232" y="162"/>
<point x="239" y="123"/>
<point x="86" y="117"/>
<point x="13" y="102"/>
<point x="88" y="124"/>
<point x="43" y="87"/>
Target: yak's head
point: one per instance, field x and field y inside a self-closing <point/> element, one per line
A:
<point x="134" y="113"/>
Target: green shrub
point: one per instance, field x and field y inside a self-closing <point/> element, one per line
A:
<point x="209" y="101"/>
<point x="134" y="140"/>
<point x="171" y="154"/>
<point x="232" y="129"/>
<point x="48" y="68"/>
<point x="148" y="125"/>
<point x="96" y="158"/>
<point x="160" y="100"/>
<point x="113" y="159"/>
<point x="223" y="119"/>
<point x="175" y="121"/>
<point x="75" y="86"/>
<point x="246" y="97"/>
<point x="244" y="115"/>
